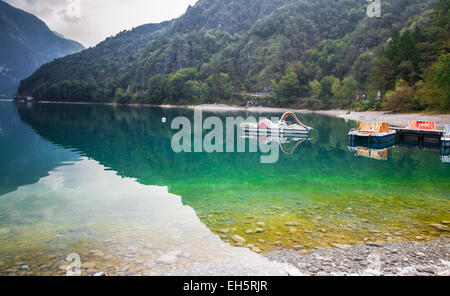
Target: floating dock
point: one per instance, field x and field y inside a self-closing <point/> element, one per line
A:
<point x="423" y="134"/>
<point x="418" y="133"/>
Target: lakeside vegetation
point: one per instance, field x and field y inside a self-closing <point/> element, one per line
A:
<point x="300" y="54"/>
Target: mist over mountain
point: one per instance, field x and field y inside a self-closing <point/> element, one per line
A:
<point x="26" y="43"/>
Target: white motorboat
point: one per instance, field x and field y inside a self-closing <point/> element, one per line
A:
<point x="266" y="126"/>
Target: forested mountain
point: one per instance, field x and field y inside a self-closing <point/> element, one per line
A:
<point x="300" y="53"/>
<point x="26" y="43"/>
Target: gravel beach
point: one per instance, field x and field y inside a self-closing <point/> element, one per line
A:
<point x="373" y="259"/>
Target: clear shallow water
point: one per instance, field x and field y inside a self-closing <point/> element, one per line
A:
<point x="77" y="178"/>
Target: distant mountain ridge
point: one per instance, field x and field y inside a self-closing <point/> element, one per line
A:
<point x="222" y="50"/>
<point x="26" y="44"/>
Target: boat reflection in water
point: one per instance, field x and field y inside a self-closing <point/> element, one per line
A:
<point x="446" y="158"/>
<point x="378" y="154"/>
<point x="374" y="151"/>
<point x="288" y="143"/>
<point x="445" y="154"/>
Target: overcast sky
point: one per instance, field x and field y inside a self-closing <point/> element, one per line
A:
<point x="93" y="20"/>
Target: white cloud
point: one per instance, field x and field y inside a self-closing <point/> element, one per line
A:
<point x="99" y="19"/>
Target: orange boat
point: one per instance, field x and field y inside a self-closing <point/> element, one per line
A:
<point x="422" y="125"/>
<point x="374" y="131"/>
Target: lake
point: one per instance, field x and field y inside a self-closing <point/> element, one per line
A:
<point x="104" y="182"/>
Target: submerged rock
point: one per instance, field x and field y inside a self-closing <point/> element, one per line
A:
<point x="440" y="227"/>
<point x="375" y="244"/>
<point x="4" y="230"/>
<point x="186" y="255"/>
<point x="256" y="250"/>
<point x="148" y="245"/>
<point x="176" y="253"/>
<point x="341" y="246"/>
<point x="88" y="265"/>
<point x="97" y="253"/>
<point x="292" y="224"/>
<point x="444" y="273"/>
<point x="238" y="239"/>
<point x="427" y="269"/>
<point x="167" y="259"/>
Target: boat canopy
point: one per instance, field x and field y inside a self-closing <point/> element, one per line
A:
<point x="422" y="125"/>
<point x="373" y="127"/>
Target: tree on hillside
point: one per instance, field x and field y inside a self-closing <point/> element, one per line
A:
<point x="337" y="89"/>
<point x="382" y="75"/>
<point x="403" y="98"/>
<point x="403" y="53"/>
<point x="315" y="88"/>
<point x="442" y="71"/>
<point x="350" y="85"/>
<point x="362" y="66"/>
<point x="220" y="86"/>
<point x="435" y="90"/>
<point x="303" y="75"/>
<point x="442" y="14"/>
<point x="326" y="87"/>
<point x="177" y="80"/>
<point x="288" y="88"/>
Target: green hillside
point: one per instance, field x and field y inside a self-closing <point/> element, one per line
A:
<point x="308" y="53"/>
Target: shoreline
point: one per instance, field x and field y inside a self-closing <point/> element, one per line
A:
<point x="394" y="119"/>
<point x="408" y="258"/>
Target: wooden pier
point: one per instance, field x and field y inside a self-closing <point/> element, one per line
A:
<point x="420" y="136"/>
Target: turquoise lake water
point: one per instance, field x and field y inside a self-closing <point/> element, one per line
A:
<point x="77" y="178"/>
